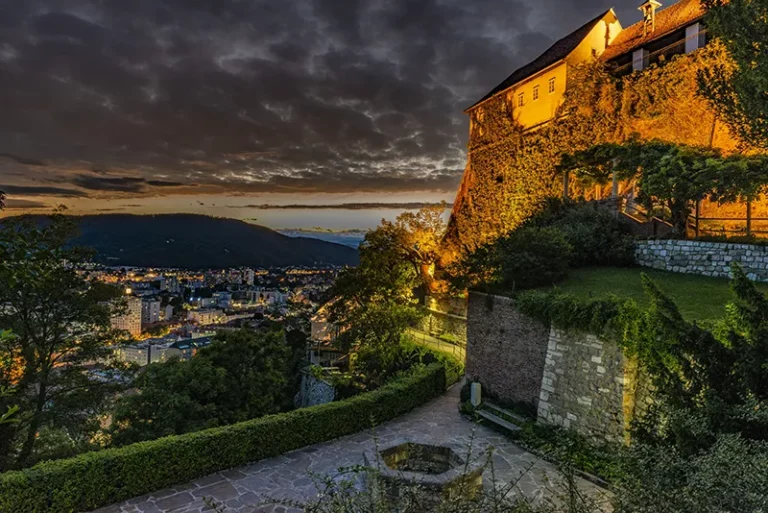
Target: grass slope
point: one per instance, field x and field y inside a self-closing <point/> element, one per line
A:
<point x="698" y="297"/>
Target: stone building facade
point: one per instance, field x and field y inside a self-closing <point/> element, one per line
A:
<point x="601" y="83"/>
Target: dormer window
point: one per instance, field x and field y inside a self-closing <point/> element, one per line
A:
<point x="535" y="93"/>
<point x="520" y="99"/>
<point x="551" y="85"/>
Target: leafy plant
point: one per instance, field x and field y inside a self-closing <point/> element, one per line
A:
<point x="675" y="175"/>
<point x="737" y="87"/>
<point x="59" y="325"/>
<point x="242" y="375"/>
<point x="527" y="257"/>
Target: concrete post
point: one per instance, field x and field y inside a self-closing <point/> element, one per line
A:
<point x="475" y="394"/>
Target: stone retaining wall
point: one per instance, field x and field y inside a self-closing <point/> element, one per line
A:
<point x="573" y="380"/>
<point x="704" y="258"/>
<point x="588" y="386"/>
<point x="505" y="350"/>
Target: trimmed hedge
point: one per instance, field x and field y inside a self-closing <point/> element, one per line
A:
<point x="96" y="479"/>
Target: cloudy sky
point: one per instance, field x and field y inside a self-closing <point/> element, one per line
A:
<point x="117" y="104"/>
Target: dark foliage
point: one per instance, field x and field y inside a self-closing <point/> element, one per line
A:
<point x="596" y="236"/>
<point x="241" y="376"/>
<point x="59" y="325"/>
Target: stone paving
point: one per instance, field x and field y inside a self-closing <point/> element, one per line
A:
<point x="289" y="476"/>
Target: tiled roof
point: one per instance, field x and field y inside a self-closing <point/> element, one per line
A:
<point x="668" y="20"/>
<point x="555" y="53"/>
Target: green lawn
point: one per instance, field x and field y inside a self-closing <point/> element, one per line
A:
<point x="698" y="297"/>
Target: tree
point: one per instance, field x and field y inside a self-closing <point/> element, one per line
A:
<point x="374" y="302"/>
<point x="703" y="445"/>
<point x="739" y="90"/>
<point x="674" y="176"/>
<point x="2" y="200"/>
<point x="5" y="365"/>
<point x="59" y="325"/>
<point x="417" y="239"/>
<point x="242" y="375"/>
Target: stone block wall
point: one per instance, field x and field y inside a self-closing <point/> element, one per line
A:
<point x="704" y="258"/>
<point x="573" y="380"/>
<point x="505" y="349"/>
<point x="313" y="391"/>
<point x="587" y="386"/>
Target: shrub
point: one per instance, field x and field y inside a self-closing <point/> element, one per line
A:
<point x="525" y="258"/>
<point x="96" y="479"/>
<point x="596" y="236"/>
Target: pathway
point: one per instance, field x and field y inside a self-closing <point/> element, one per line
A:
<point x="288" y="476"/>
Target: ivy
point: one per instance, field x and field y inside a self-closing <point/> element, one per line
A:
<point x="511" y="171"/>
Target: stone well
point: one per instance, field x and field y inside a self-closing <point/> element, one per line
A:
<point x="436" y="472"/>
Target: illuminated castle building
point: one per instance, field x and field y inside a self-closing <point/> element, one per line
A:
<point x="547" y="107"/>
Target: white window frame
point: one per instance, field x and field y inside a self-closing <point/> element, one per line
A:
<point x="521" y="99"/>
<point x="551" y="86"/>
<point x="535" y="93"/>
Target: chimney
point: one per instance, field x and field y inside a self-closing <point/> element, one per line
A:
<point x="648" y="9"/>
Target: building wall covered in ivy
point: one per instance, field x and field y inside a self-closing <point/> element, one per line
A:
<point x="510" y="170"/>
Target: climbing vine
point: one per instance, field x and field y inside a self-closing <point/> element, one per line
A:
<point x="511" y="171"/>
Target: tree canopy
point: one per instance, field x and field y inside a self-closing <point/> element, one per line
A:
<point x="739" y="89"/>
<point x="242" y="375"/>
<point x="59" y="324"/>
<point x="674" y="175"/>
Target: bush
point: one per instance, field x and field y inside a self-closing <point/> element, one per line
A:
<point x="97" y="479"/>
<point x="596" y="236"/>
<point x="525" y="258"/>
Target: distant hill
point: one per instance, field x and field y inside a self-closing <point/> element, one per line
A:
<point x="197" y="242"/>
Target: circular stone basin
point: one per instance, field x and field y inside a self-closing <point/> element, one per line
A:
<point x="436" y="472"/>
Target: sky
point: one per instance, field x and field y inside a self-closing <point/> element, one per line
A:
<point x="209" y="106"/>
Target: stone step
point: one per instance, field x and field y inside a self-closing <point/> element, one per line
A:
<point x="501" y="412"/>
<point x="490" y="417"/>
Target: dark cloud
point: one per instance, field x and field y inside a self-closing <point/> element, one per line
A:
<point x="12" y="204"/>
<point x="34" y="190"/>
<point x="262" y="96"/>
<point x="22" y="160"/>
<point x="100" y="182"/>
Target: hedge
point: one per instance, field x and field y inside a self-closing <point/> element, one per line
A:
<point x="97" y="479"/>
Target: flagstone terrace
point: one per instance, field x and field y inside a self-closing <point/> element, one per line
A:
<point x="244" y="489"/>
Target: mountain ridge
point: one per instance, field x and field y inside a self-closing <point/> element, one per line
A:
<point x="195" y="241"/>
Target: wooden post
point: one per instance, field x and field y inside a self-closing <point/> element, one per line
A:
<point x="749" y="218"/>
<point x="565" y="185"/>
<point x="698" y="212"/>
<point x="614" y="186"/>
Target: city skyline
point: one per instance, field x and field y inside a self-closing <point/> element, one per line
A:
<point x="208" y="107"/>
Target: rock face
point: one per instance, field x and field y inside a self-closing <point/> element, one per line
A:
<point x="704" y="258"/>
